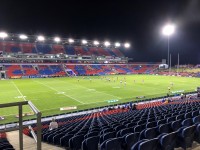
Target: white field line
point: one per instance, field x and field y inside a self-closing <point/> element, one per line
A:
<point x="58" y="91"/>
<point x="94" y="91"/>
<point x="19" y="91"/>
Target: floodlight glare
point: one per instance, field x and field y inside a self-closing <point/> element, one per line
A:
<point x="57" y="39"/>
<point x="106" y="43"/>
<point x="41" y="38"/>
<point x="3" y="35"/>
<point x="117" y="44"/>
<point x="84" y="42"/>
<point x="71" y="40"/>
<point x="23" y="37"/>
<point x="127" y="45"/>
<point x="168" y="29"/>
<point x="96" y="43"/>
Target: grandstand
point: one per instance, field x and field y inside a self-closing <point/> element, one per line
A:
<point x="166" y="126"/>
<point x="41" y="48"/>
<point x="106" y="118"/>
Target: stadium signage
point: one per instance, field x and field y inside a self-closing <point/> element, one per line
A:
<point x="180" y="91"/>
<point x="69" y="108"/>
<point x="112" y="101"/>
<point x="140" y="97"/>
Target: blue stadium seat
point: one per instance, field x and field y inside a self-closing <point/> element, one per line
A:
<point x="152" y="144"/>
<point x="136" y="145"/>
<point x="196" y="119"/>
<point x="113" y="144"/>
<point x="186" y="136"/>
<point x="91" y="143"/>
<point x="64" y="141"/>
<point x="197" y="134"/>
<point x="165" y="128"/>
<point x="175" y="125"/>
<point x="109" y="135"/>
<point x="75" y="142"/>
<point x="195" y="113"/>
<point x="187" y="122"/>
<point x="168" y="141"/>
<point x="131" y="139"/>
<point x="56" y="138"/>
<point x="91" y="134"/>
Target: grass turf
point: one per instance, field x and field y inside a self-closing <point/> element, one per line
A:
<point x="51" y="94"/>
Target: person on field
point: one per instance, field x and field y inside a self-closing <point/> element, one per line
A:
<point x="169" y="88"/>
<point x="53" y="124"/>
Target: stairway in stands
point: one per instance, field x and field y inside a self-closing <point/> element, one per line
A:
<point x="28" y="142"/>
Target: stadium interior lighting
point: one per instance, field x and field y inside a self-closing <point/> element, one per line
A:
<point x="127" y="45"/>
<point x="3" y="35"/>
<point x="106" y="43"/>
<point x="57" y="39"/>
<point x="71" y="40"/>
<point x="23" y="37"/>
<point x="117" y="44"/>
<point x="84" y="42"/>
<point x="41" y="38"/>
<point x="96" y="42"/>
<point x="168" y="29"/>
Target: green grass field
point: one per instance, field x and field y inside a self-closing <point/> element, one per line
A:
<point x="51" y="94"/>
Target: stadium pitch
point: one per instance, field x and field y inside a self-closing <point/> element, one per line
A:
<point x="50" y="95"/>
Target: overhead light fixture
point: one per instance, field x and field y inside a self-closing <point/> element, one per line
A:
<point x="57" y="39"/>
<point x="71" y="40"/>
<point x="23" y="37"/>
<point x="84" y="42"/>
<point x="168" y="29"/>
<point x="3" y="35"/>
<point x="106" y="43"/>
<point x="96" y="42"/>
<point x="127" y="45"/>
<point x="117" y="44"/>
<point x="41" y="38"/>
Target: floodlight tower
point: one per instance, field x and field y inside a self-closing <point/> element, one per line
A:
<point x="168" y="30"/>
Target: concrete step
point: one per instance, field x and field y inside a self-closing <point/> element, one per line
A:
<point x="28" y="142"/>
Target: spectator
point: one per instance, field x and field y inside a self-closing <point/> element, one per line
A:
<point x="198" y="94"/>
<point x="53" y="124"/>
<point x="134" y="107"/>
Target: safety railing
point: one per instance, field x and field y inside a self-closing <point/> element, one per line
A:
<point x="20" y="126"/>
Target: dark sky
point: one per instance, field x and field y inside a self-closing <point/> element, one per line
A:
<point x="137" y="21"/>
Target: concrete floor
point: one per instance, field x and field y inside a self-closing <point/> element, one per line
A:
<point x="28" y="142"/>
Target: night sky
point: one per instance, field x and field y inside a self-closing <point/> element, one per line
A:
<point x="137" y="21"/>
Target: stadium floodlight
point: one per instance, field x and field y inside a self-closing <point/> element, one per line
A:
<point x="41" y="38"/>
<point x="117" y="44"/>
<point x="127" y="45"/>
<point x="168" y="29"/>
<point x="57" y="39"/>
<point x="84" y="42"/>
<point x="71" y="40"/>
<point x="96" y="42"/>
<point x="106" y="43"/>
<point x="3" y="35"/>
<point x="23" y="37"/>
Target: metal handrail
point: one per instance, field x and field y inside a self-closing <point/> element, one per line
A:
<point x="20" y="127"/>
<point x="33" y="133"/>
